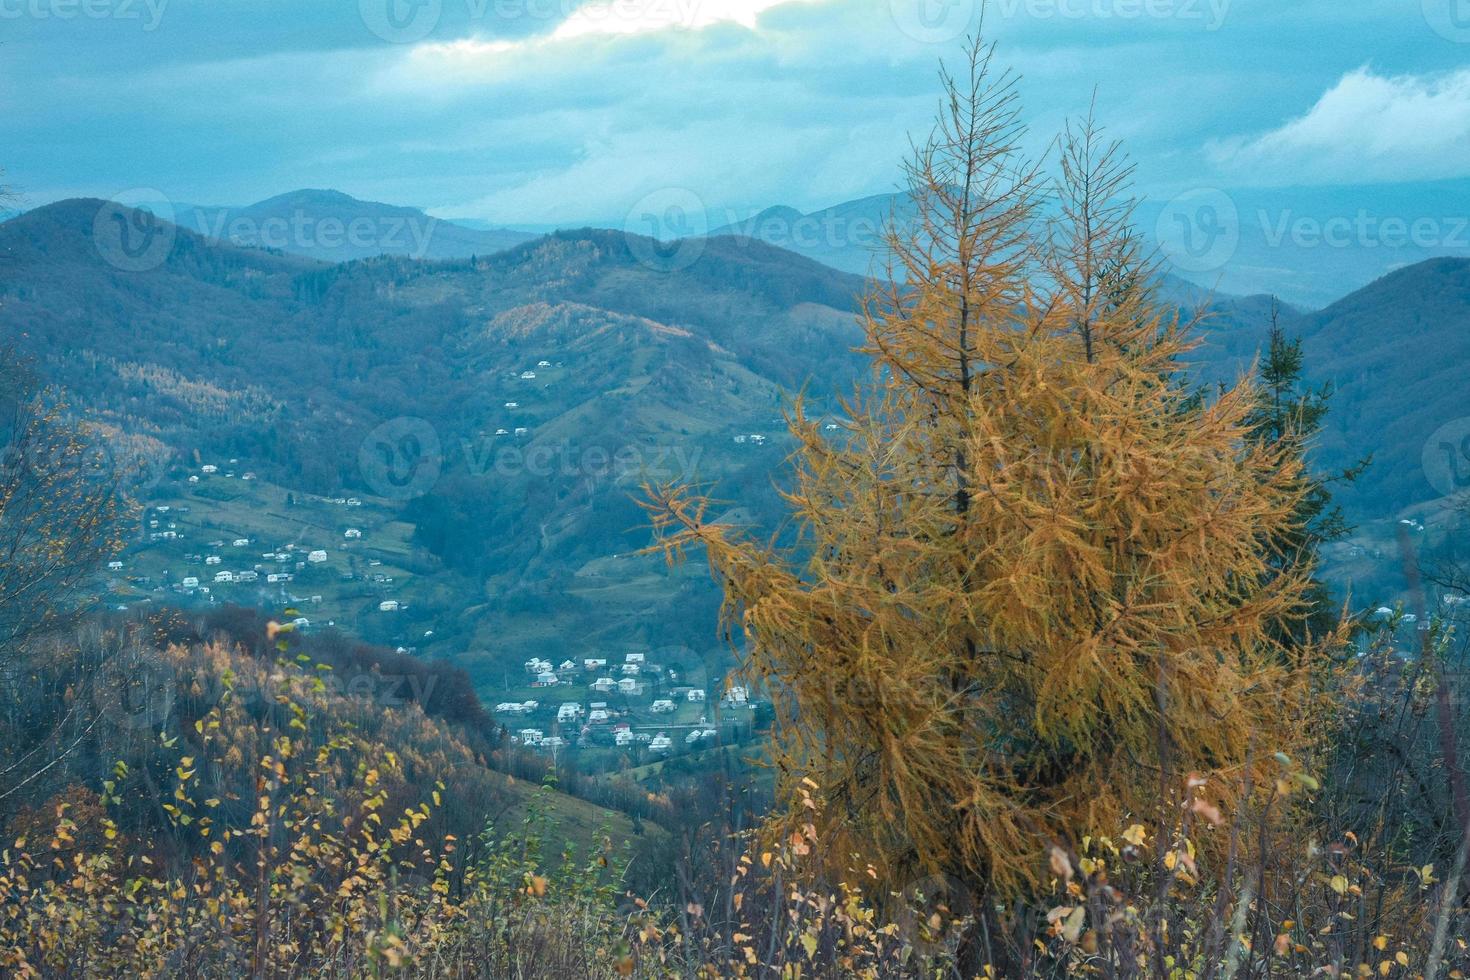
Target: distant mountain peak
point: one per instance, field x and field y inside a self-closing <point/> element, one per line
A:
<point x="308" y="195"/>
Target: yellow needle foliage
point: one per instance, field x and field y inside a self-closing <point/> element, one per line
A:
<point x="1034" y="586"/>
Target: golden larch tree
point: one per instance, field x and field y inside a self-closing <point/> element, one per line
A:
<point x="1034" y="586"/>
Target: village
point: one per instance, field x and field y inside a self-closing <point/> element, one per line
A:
<point x="227" y="537"/>
<point x="636" y="703"/>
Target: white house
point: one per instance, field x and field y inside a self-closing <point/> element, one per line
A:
<point x="521" y="430"/>
<point x="597" y="715"/>
<point x="547" y="679"/>
<point x="502" y="432"/>
<point x="316" y="557"/>
<point x="737" y="696"/>
<point x="209" y="468"/>
<point x="661" y="706"/>
<point x="635" y="658"/>
<point x="604" y="684"/>
<point x="388" y="605"/>
<point x="212" y="560"/>
<point x="631" y="669"/>
<point x="509" y="708"/>
<point x="246" y="576"/>
<point x="570" y="711"/>
<point x="537" y="666"/>
<point x="661" y="743"/>
<point x="528" y="375"/>
<point x="353" y="502"/>
<point x="193" y="479"/>
<point x="531" y="736"/>
<point x="696" y="695"/>
<point x="190" y="582"/>
<point x="627" y="686"/>
<point x="568" y="665"/>
<point x="114" y="566"/>
<point x="352" y="532"/>
<point x="224" y="577"/>
<point x="278" y="577"/>
<point x="543" y="364"/>
<point x="594" y="663"/>
<point x="622" y="737"/>
<point x="512" y="404"/>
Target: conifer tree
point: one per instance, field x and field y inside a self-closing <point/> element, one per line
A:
<point x="1037" y="581"/>
<point x="1289" y="411"/>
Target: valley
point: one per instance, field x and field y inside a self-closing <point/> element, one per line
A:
<point x="446" y="457"/>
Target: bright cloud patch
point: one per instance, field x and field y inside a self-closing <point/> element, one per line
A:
<point x="1367" y="127"/>
<point x="473" y="60"/>
<point x="643" y="16"/>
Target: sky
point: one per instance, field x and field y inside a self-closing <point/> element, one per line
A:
<point x="544" y="112"/>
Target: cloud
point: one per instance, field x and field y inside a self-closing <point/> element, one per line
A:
<point x="1366" y="128"/>
<point x="641" y="16"/>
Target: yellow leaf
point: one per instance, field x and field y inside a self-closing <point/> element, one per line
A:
<point x="1339" y="884"/>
